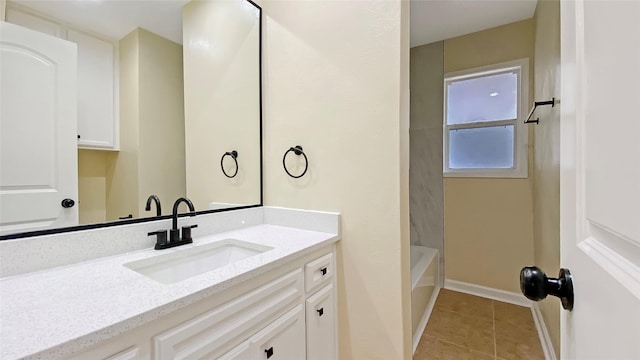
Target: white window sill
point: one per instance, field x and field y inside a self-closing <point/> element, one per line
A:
<point x="498" y="174"/>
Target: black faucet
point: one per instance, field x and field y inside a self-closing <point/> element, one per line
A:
<point x="174" y="233"/>
<point x="156" y="199"/>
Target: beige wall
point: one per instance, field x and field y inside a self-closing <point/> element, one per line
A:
<point x="122" y="166"/>
<point x="151" y="156"/>
<point x="92" y="186"/>
<point x="489" y="222"/>
<point x="222" y="113"/>
<point x="546" y="185"/>
<point x="405" y="164"/>
<point x="336" y="82"/>
<point x="427" y="203"/>
<point x="488" y="231"/>
<point x="161" y="162"/>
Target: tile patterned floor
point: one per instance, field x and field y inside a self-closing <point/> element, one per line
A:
<point x="467" y="327"/>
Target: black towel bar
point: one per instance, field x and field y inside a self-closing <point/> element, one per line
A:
<point x="551" y="102"/>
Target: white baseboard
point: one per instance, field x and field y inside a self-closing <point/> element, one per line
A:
<point x="487" y="292"/>
<point x="425" y="319"/>
<point x="545" y="340"/>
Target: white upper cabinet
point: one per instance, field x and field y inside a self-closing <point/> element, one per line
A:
<point x="34" y="22"/>
<point x="98" y="113"/>
<point x="97" y="117"/>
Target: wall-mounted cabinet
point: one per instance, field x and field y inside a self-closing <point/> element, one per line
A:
<point x="98" y="114"/>
<point x="97" y="106"/>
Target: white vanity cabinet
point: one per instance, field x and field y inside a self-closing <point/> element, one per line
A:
<point x="320" y="308"/>
<point x="97" y="78"/>
<point x="320" y="325"/>
<point x="276" y="316"/>
<point x="211" y="334"/>
<point x="132" y="353"/>
<point x="282" y="339"/>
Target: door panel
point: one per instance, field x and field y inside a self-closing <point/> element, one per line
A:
<point x="38" y="158"/>
<point x="600" y="177"/>
<point x="611" y="162"/>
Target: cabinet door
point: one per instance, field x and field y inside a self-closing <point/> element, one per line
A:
<point x="240" y="352"/>
<point x="321" y="322"/>
<point x="129" y="354"/>
<point x="34" y="22"/>
<point x="283" y="339"/>
<point x="212" y="333"/>
<point x="97" y="113"/>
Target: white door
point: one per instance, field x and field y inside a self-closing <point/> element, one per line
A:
<point x="38" y="137"/>
<point x="600" y="177"/>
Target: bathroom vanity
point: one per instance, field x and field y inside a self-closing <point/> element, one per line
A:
<point x="264" y="290"/>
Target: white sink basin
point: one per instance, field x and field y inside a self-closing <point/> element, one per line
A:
<point x="181" y="265"/>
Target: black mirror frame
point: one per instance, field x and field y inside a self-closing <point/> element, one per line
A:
<point x="60" y="230"/>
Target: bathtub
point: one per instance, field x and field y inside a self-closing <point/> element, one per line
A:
<point x="424" y="288"/>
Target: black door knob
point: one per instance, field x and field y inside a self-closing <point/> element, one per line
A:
<point x="535" y="285"/>
<point x="68" y="203"/>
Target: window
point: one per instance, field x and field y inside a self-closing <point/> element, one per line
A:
<point x="484" y="134"/>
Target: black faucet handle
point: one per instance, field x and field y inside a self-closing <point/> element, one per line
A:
<point x="161" y="237"/>
<point x="186" y="232"/>
<point x="174" y="235"/>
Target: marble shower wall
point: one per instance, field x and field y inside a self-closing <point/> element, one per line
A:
<point x="425" y="173"/>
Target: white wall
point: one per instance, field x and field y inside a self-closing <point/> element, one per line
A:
<point x="337" y="83"/>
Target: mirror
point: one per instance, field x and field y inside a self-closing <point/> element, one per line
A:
<point x="186" y="96"/>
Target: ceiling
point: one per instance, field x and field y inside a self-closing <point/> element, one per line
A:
<point x="116" y="18"/>
<point x="431" y="20"/>
<point x="435" y="20"/>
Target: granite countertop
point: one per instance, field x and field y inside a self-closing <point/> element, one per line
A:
<point x="62" y="311"/>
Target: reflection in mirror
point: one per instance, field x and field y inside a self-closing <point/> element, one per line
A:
<point x="164" y="90"/>
<point x="222" y="98"/>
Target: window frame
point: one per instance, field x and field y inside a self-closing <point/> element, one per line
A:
<point x="520" y="146"/>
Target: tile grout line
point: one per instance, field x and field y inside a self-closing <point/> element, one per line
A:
<point x="493" y="313"/>
<point x="463" y="314"/>
<point x="457" y="345"/>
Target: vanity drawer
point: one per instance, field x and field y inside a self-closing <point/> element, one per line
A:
<point x="318" y="272"/>
<point x="227" y="326"/>
<point x="129" y="354"/>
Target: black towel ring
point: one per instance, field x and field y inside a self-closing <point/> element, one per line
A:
<point x="234" y="156"/>
<point x="298" y="151"/>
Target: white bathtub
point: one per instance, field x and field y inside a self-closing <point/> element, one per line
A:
<point x="424" y="288"/>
